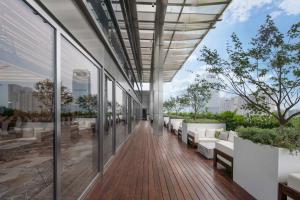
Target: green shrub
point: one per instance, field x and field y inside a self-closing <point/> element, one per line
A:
<point x="296" y="122"/>
<point x="231" y="119"/>
<point x="288" y="138"/>
<point x="201" y="121"/>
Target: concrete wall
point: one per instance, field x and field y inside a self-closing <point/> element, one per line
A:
<point x="259" y="168"/>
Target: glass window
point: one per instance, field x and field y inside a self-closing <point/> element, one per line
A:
<point x="26" y="103"/>
<point x="121" y="116"/>
<point x="108" y="123"/>
<point x="79" y="103"/>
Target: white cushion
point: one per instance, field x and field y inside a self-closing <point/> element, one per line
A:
<point x="197" y="133"/>
<point x="225" y="146"/>
<point x="166" y="119"/>
<point x="176" y="125"/>
<point x="224" y="135"/>
<point x="294" y="181"/>
<point x="207" y="140"/>
<point x="210" y="133"/>
<point x="231" y="136"/>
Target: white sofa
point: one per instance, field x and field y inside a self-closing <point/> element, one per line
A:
<point x="175" y="125"/>
<point x="294" y="182"/>
<point x="202" y="135"/>
<point x="224" y="152"/>
<point x="186" y="127"/>
<point x="226" y="146"/>
<point x="166" y="121"/>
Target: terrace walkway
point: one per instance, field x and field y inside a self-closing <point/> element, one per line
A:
<point x="152" y="167"/>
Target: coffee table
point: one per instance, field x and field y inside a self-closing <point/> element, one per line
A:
<point x="207" y="149"/>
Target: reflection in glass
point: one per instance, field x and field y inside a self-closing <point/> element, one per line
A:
<point x="108" y="123"/>
<point x="121" y="116"/>
<point x="132" y="114"/>
<point x="128" y="113"/>
<point x="26" y="108"/>
<point x="79" y="101"/>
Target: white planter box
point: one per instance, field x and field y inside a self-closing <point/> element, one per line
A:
<point x="186" y="127"/>
<point x="259" y="168"/>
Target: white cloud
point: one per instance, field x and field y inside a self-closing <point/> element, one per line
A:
<point x="276" y="14"/>
<point x="181" y="82"/>
<point x="290" y="7"/>
<point x="240" y="10"/>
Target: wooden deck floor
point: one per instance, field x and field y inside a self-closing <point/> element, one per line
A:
<point x="153" y="167"/>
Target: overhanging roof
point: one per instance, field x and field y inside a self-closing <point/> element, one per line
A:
<point x="186" y="24"/>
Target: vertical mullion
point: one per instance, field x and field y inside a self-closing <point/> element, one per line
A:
<point x="57" y="122"/>
<point x="114" y="114"/>
<point x="101" y="120"/>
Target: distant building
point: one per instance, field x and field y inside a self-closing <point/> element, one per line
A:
<point x="18" y="98"/>
<point x="214" y="103"/>
<point x="236" y="104"/>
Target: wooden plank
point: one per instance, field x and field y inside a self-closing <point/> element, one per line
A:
<point x="162" y="167"/>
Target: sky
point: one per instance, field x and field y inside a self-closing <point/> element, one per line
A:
<point x="242" y="17"/>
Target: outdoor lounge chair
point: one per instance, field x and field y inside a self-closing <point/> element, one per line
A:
<point x="207" y="145"/>
<point x="175" y="125"/>
<point x="223" y="153"/>
<point x="194" y="135"/>
<point x="166" y="121"/>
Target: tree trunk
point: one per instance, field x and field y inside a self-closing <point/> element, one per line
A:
<point x="282" y="124"/>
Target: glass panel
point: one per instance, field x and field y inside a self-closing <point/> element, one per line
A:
<point x="79" y="102"/>
<point x="176" y="1"/>
<point x="186" y="26"/>
<point x="146" y="34"/>
<point x="149" y="1"/>
<point x="180" y="51"/>
<point x="171" y="17"/>
<point x="211" y="9"/>
<point x="146" y="25"/>
<point x="196" y="17"/>
<point x="146" y="43"/>
<point x="174" y="9"/>
<point x="183" y="44"/>
<point x="121" y="116"/>
<point x="188" y="35"/>
<point x="145" y="8"/>
<point x="108" y="124"/>
<point x="146" y="16"/>
<point x="195" y="2"/>
<point x="146" y="51"/>
<point x="26" y="103"/>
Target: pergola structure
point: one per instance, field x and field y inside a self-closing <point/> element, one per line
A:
<point x="165" y="33"/>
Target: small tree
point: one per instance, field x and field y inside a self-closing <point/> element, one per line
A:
<point x="169" y="105"/>
<point x="265" y="75"/>
<point x="88" y="103"/>
<point x="44" y="92"/>
<point x="180" y="102"/>
<point x="197" y="95"/>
